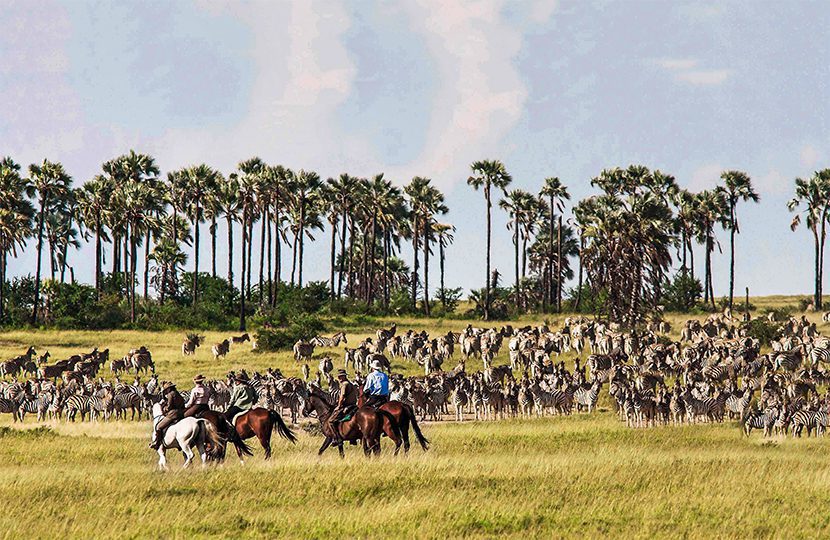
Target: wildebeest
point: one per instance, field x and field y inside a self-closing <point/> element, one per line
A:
<point x="303" y="350"/>
<point x="240" y="339"/>
<point x="191" y="343"/>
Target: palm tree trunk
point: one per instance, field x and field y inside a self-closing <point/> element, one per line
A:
<point x="302" y="243"/>
<point x="342" y="255"/>
<point x="415" y="238"/>
<point x="270" y="258"/>
<point x="487" y="266"/>
<point x="39" y="252"/>
<point x="242" y="275"/>
<point x="147" y="266"/>
<point x="277" y="253"/>
<point x="133" y="257"/>
<point x="426" y="268"/>
<point x="262" y="257"/>
<point x="196" y="254"/>
<point x="516" y="252"/>
<point x="370" y="281"/>
<point x="2" y="285"/>
<point x="579" y="281"/>
<point x="441" y="267"/>
<point x="386" y="249"/>
<point x="230" y="251"/>
<point x="821" y="263"/>
<point x="817" y="280"/>
<point x="294" y="258"/>
<point x="98" y="256"/>
<point x="250" y="248"/>
<point x="350" y="281"/>
<point x="116" y="256"/>
<point x="213" y="247"/>
<point x="559" y="267"/>
<point x="731" y="255"/>
<point x="333" y="255"/>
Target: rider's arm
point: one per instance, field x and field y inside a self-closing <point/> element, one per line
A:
<point x="191" y="399"/>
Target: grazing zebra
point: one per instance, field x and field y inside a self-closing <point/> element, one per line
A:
<point x="805" y="419"/>
<point x="35" y="405"/>
<point x="819" y="354"/>
<point x="9" y="406"/>
<point x="333" y="341"/>
<point x="127" y="400"/>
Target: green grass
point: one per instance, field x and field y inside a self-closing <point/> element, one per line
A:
<point x="585" y="476"/>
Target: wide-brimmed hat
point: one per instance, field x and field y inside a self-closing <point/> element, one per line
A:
<point x="199" y="378"/>
<point x="168" y="386"/>
<point x="376" y="365"/>
<point x="241" y="378"/>
<point x="342" y="373"/>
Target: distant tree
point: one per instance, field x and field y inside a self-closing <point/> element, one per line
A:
<point x="737" y="187"/>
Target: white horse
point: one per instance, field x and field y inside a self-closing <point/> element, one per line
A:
<point x="185" y="435"/>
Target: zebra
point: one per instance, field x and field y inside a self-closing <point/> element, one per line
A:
<point x="805" y="419"/>
<point x="587" y="397"/>
<point x="459" y="402"/>
<point x="737" y="405"/>
<point x="333" y="341"/>
<point x="127" y="400"/>
<point x="74" y="404"/>
<point x="819" y="354"/>
<point x="761" y="420"/>
<point x="35" y="405"/>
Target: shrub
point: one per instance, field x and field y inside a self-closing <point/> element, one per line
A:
<point x="301" y="326"/>
<point x="762" y="330"/>
<point x="682" y="293"/>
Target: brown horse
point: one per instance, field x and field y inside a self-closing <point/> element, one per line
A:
<point x="257" y="422"/>
<point x="366" y="425"/>
<point x="404" y="416"/>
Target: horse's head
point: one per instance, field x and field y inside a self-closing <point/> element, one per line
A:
<point x="156" y="408"/>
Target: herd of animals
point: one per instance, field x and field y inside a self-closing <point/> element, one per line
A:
<point x="714" y="372"/>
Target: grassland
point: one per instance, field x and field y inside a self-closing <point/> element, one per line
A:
<point x="577" y="476"/>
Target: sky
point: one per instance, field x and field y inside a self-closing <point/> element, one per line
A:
<point x="426" y="87"/>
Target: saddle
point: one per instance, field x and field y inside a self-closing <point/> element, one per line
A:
<point x="237" y="415"/>
<point x="346" y="414"/>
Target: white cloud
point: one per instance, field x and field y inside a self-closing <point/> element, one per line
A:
<point x="772" y="183"/>
<point x="676" y="63"/>
<point x="809" y="156"/>
<point x="709" y="77"/>
<point x="705" y="177"/>
<point x="542" y="10"/>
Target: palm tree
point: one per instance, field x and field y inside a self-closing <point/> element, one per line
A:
<point x="227" y="206"/>
<point x="713" y="208"/>
<point x="737" y="187"/>
<point x="50" y="183"/>
<point x="557" y="193"/>
<point x="343" y="191"/>
<point x="688" y="223"/>
<point x="305" y="187"/>
<point x="93" y="204"/>
<point x="199" y="182"/>
<point x="248" y="177"/>
<point x="16" y="216"/>
<point x="444" y="233"/>
<point x="488" y="174"/>
<point x="515" y="204"/>
<point x="814" y="195"/>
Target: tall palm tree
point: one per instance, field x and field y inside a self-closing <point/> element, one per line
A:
<point x="557" y="194"/>
<point x="93" y="204"/>
<point x="713" y="209"/>
<point x="343" y="190"/>
<point x="248" y="178"/>
<point x="444" y="233"/>
<point x="515" y="204"/>
<point x="228" y="206"/>
<point x="814" y="195"/>
<point x="305" y="187"/>
<point x="50" y="183"/>
<point x="199" y="181"/>
<point x="488" y="174"/>
<point x="688" y="223"/>
<point x="737" y="187"/>
<point x="16" y="218"/>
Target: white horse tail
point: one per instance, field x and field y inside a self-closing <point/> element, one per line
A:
<point x="213" y="438"/>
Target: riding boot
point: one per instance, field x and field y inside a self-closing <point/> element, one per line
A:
<point x="158" y="438"/>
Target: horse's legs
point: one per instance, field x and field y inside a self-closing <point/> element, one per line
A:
<point x="188" y="455"/>
<point x="366" y="447"/>
<point x="200" y="447"/>
<point x="239" y="453"/>
<point x="405" y="433"/>
<point x="326" y="444"/>
<point x="162" y="458"/>
<point x="265" y="441"/>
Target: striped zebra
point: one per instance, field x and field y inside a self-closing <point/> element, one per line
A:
<point x="333" y="341"/>
<point x="764" y="420"/>
<point x="74" y="404"/>
<point x="38" y="405"/>
<point x="710" y="408"/>
<point x="737" y="405"/>
<point x="127" y="400"/>
<point x="459" y="401"/>
<point x="806" y="419"/>
<point x="819" y="354"/>
<point x="788" y="360"/>
<point x="587" y="397"/>
<point x="9" y="406"/>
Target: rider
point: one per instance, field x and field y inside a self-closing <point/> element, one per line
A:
<point x="243" y="397"/>
<point x="348" y="398"/>
<point x="173" y="407"/>
<point x="377" y="386"/>
<point x="199" y="397"/>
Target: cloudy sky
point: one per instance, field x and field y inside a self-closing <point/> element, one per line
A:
<point x="425" y="87"/>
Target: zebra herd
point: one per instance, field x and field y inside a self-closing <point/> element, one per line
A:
<point x="714" y="372"/>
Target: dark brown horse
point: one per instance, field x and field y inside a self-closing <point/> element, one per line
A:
<point x="257" y="422"/>
<point x="404" y="415"/>
<point x="366" y="425"/>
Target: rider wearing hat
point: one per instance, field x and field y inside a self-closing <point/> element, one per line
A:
<point x="243" y="397"/>
<point x="197" y="403"/>
<point x="173" y="408"/>
<point x="376" y="386"/>
<point x="348" y="398"/>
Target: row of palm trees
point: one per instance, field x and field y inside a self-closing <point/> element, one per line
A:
<point x="625" y="233"/>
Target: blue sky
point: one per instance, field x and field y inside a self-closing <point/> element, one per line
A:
<point x="424" y="87"/>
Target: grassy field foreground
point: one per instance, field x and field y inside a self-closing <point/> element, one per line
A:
<point x="547" y="477"/>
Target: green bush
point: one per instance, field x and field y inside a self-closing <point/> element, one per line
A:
<point x="683" y="293"/>
<point x="301" y="326"/>
<point x="762" y="330"/>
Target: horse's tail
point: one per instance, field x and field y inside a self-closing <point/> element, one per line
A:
<point x="282" y="429"/>
<point x="212" y="437"/>
<point x="233" y="437"/>
<point x="396" y="428"/>
<point x="423" y="441"/>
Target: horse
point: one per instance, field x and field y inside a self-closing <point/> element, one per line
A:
<point x="366" y="425"/>
<point x="404" y="415"/>
<point x="185" y="435"/>
<point x="257" y="422"/>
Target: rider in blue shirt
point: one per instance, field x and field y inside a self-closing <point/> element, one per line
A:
<point x="376" y="388"/>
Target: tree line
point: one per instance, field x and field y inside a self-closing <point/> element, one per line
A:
<point x="624" y="238"/>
